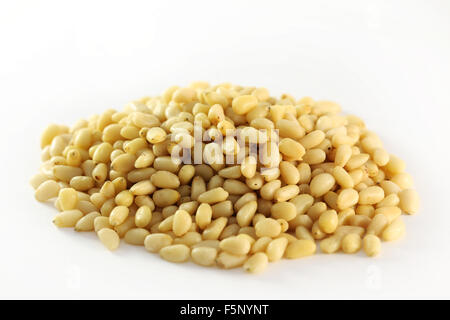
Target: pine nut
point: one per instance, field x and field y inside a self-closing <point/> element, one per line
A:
<point x="351" y="243"/>
<point x="257" y="263"/>
<point x="204" y="256"/>
<point x="156" y="241"/>
<point x="136" y="236"/>
<point x="67" y="219"/>
<point x="409" y="201"/>
<point x="300" y="248"/>
<point x="86" y="223"/>
<point x="321" y="184"/>
<point x="182" y="222"/>
<point x="371" y="245"/>
<point x="47" y="190"/>
<point x="394" y="231"/>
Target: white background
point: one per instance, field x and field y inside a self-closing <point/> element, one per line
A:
<point x="386" y="61"/>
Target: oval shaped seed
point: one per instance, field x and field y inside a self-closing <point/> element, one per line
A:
<point x="68" y="198"/>
<point x="175" y="253"/>
<point x="244" y="104"/>
<point x="371" y="195"/>
<point x="136" y="236"/>
<point x="245" y="215"/>
<point x="213" y="196"/>
<point x="371" y="245"/>
<point x="391" y="213"/>
<point x="289" y="173"/>
<point x="118" y="215"/>
<point x="286" y="193"/>
<point x="156" y="135"/>
<point x="267" y="191"/>
<point x="347" y="198"/>
<point x="331" y="244"/>
<point x="395" y="165"/>
<point x="291" y="149"/>
<point x="203" y="215"/>
<point x="143" y="216"/>
<point x="328" y="221"/>
<point x="235" y="245"/>
<point x="47" y="190"/>
<point x="156" y="241"/>
<point x="409" y="201"/>
<point x="377" y="225"/>
<point x="214" y="229"/>
<point x="312" y="139"/>
<point x="343" y="155"/>
<point x="204" y="256"/>
<point x="124" y="198"/>
<point x="82" y="183"/>
<point x="109" y="238"/>
<point x="268" y="227"/>
<point x="394" y="231"/>
<point x="67" y="219"/>
<point x="276" y="248"/>
<point x="257" y="263"/>
<point x="351" y="243"/>
<point x="321" y="184"/>
<point x="86" y="223"/>
<point x="300" y="248"/>
<point x="101" y="222"/>
<point x="165" y="179"/>
<point x="380" y="157"/>
<point x="165" y="197"/>
<point x="228" y="261"/>
<point x="182" y="222"/>
<point x="284" y="210"/>
<point x="342" y="177"/>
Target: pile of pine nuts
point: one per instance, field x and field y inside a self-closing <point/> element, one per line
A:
<point x="321" y="177"/>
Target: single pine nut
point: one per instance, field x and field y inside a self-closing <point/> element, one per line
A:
<point x="328" y="221"/>
<point x="214" y="229"/>
<point x="257" y="263"/>
<point x="68" y="198"/>
<point x="268" y="227"/>
<point x="284" y="210"/>
<point x="67" y="219"/>
<point x="213" y="196"/>
<point x="409" y="201"/>
<point x="101" y="222"/>
<point x="118" y="215"/>
<point x="47" y="190"/>
<point x="143" y="216"/>
<point x="371" y="245"/>
<point x="276" y="248"/>
<point x="394" y="231"/>
<point x="371" y="195"/>
<point x="182" y="222"/>
<point x="136" y="236"/>
<point x="245" y="214"/>
<point x="165" y="179"/>
<point x="351" y="243"/>
<point x="377" y="225"/>
<point x="86" y="223"/>
<point x="347" y="198"/>
<point x="204" y="256"/>
<point x="156" y="241"/>
<point x="235" y="245"/>
<point x="321" y="184"/>
<point x="300" y="248"/>
<point x="228" y="261"/>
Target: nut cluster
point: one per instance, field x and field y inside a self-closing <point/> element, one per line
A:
<point x="316" y="176"/>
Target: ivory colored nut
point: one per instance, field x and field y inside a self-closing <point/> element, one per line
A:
<point x="300" y="248"/>
<point x="409" y="201"/>
<point x="109" y="238"/>
<point x="284" y="210"/>
<point x="47" y="190"/>
<point x="321" y="184"/>
<point x="204" y="256"/>
<point x="351" y="243"/>
<point x="371" y="245"/>
<point x="175" y="253"/>
<point x="257" y="263"/>
<point x="268" y="227"/>
<point x="328" y="221"/>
